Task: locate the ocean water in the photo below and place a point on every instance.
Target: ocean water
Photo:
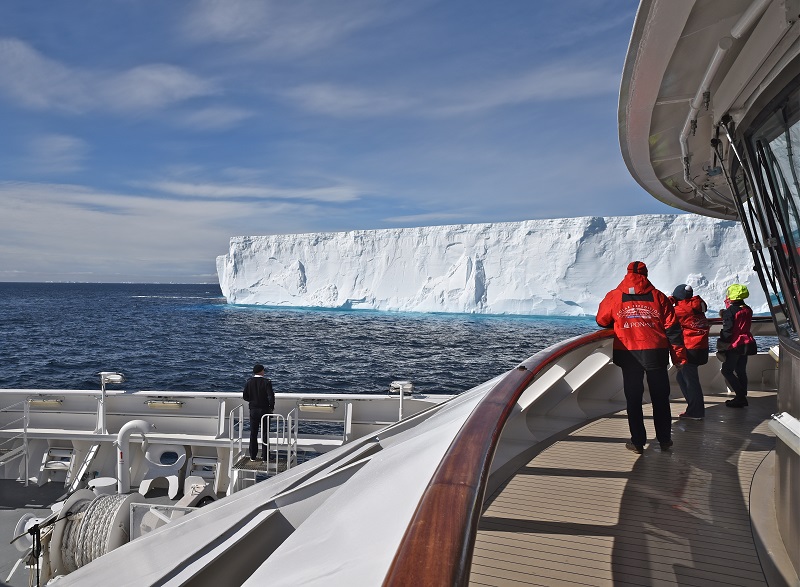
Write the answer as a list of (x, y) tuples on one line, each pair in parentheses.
[(186, 337)]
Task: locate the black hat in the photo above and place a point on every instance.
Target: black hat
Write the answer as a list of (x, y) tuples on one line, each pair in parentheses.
[(259, 368), (683, 292)]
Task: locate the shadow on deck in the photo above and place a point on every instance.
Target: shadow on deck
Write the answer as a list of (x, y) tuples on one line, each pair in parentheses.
[(585, 511)]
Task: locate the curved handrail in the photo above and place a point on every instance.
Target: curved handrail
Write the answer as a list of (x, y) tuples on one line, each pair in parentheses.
[(438, 543), (437, 546)]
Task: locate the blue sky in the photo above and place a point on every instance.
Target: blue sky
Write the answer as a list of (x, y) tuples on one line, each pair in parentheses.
[(138, 136)]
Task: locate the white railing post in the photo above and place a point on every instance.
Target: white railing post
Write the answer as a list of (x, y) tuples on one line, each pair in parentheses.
[(25, 421), (291, 453), (100, 427), (233, 443), (105, 377), (401, 386), (221, 418)]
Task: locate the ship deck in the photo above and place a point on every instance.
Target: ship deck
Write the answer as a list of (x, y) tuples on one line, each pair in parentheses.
[(586, 511)]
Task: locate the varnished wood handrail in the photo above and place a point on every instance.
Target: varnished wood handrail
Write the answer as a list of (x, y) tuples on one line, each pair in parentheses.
[(436, 549)]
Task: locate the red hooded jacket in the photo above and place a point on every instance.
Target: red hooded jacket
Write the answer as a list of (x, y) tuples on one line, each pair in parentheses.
[(736, 322), (644, 322), (691, 313)]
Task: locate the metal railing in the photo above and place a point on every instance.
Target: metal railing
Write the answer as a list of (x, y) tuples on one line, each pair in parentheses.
[(438, 543), (8, 452), (236, 441), (279, 434), (437, 546)]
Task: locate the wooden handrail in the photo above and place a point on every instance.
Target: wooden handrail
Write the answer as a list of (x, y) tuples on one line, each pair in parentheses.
[(437, 547)]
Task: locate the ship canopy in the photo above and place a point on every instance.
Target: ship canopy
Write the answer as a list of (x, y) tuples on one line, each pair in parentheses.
[(692, 65)]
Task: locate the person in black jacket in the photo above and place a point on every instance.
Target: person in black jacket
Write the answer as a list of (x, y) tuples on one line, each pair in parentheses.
[(258, 392)]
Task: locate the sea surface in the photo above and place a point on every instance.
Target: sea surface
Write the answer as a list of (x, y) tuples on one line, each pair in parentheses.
[(187, 338)]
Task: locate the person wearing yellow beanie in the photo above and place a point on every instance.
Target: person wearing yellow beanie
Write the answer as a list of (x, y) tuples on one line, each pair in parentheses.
[(736, 342)]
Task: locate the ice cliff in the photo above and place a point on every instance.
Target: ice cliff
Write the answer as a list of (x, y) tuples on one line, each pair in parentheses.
[(562, 266)]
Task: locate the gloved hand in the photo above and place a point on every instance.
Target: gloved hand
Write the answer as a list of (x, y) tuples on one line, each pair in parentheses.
[(723, 346)]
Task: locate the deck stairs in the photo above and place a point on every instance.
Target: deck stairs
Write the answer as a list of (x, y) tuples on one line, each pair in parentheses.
[(54, 461), (205, 467), (15, 446), (81, 476), (279, 443), (9, 454)]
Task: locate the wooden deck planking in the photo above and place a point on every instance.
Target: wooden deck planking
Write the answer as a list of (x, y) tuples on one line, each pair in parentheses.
[(585, 511)]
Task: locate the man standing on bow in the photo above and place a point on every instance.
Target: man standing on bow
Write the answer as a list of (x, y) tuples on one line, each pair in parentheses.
[(646, 331), (258, 392)]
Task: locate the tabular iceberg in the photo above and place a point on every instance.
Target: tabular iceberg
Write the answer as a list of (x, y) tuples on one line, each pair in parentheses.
[(561, 266)]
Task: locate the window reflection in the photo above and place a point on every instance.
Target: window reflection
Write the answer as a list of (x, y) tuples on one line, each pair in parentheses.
[(775, 152)]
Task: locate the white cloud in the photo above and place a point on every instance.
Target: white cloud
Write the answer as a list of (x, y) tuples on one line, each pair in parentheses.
[(279, 29), (229, 21), (151, 87), (40, 83), (56, 153), (422, 219), (348, 102), (555, 82), (329, 194), (77, 232), (215, 118)]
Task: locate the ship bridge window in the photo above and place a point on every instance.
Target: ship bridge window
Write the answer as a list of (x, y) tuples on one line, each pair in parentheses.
[(773, 146)]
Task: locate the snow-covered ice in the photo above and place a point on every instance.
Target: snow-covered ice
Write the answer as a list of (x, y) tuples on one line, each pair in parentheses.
[(561, 266)]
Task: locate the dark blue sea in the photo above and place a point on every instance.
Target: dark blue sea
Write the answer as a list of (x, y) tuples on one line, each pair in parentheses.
[(186, 337)]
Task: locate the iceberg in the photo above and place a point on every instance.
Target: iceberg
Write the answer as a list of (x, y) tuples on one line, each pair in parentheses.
[(554, 267)]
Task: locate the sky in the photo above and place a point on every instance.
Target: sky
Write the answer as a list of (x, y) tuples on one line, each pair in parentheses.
[(139, 136)]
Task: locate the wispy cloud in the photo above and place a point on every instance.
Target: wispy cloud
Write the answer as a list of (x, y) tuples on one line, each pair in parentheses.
[(422, 219), (555, 82), (64, 229), (41, 83), (55, 154), (560, 82), (215, 118), (229, 22), (151, 87), (276, 29), (328, 194), (337, 100)]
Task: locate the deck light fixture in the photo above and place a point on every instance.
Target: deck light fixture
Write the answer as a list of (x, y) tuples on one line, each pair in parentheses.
[(105, 377), (45, 402), (164, 404), (315, 407)]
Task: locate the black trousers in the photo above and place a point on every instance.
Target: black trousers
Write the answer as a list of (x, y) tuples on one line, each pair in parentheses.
[(633, 375), (734, 370), (255, 427)]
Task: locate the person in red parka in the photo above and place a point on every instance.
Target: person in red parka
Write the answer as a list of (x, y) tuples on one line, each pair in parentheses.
[(646, 331), (691, 312)]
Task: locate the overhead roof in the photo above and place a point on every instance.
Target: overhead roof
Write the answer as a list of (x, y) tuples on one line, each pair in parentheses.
[(689, 63)]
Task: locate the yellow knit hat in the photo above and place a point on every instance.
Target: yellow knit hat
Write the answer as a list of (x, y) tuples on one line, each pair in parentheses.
[(737, 291)]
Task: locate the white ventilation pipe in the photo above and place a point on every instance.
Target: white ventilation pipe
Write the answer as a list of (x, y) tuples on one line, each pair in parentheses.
[(123, 449), (747, 21)]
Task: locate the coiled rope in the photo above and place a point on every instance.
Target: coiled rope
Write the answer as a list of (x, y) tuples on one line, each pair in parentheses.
[(87, 531)]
